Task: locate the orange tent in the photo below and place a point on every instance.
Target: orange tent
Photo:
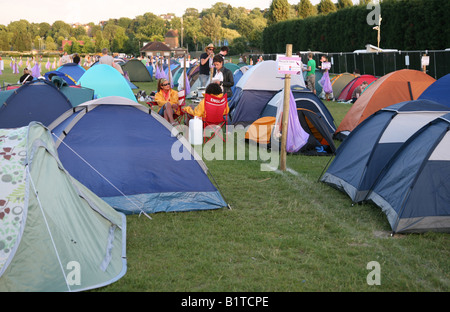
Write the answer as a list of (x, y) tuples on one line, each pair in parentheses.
[(261, 130), (399, 86)]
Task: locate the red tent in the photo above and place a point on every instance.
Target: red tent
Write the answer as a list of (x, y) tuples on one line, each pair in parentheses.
[(346, 94)]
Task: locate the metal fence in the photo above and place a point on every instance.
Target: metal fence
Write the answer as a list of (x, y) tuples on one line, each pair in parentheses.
[(379, 63)]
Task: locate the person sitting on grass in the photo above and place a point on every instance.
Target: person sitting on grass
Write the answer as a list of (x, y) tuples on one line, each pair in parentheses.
[(199, 111), (167, 100)]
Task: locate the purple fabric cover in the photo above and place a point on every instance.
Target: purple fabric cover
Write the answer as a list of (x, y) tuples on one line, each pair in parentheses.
[(326, 83), (296, 136)]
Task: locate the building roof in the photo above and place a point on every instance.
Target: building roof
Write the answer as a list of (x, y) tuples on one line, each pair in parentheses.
[(155, 46)]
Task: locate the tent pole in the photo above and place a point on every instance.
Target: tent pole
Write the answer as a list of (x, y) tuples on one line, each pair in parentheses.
[(284, 122)]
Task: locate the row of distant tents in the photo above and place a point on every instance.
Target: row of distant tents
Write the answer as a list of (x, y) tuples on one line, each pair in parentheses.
[(74, 161)]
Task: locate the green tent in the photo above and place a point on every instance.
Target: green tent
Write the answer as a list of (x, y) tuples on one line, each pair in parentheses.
[(339, 82), (137, 71), (55, 234), (231, 66)]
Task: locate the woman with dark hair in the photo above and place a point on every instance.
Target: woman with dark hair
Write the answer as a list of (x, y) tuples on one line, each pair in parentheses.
[(222, 76), (167, 100)]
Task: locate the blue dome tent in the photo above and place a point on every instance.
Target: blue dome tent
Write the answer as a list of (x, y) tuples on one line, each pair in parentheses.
[(38, 100), (73, 70), (371, 145), (413, 189), (68, 79), (141, 163), (438, 91)]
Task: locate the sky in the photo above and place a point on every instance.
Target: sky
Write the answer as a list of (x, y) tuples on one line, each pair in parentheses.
[(85, 11)]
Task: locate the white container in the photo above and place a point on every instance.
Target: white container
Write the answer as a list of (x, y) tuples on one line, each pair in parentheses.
[(196, 131)]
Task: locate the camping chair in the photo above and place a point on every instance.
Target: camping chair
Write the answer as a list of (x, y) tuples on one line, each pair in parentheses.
[(214, 118), (181, 104)]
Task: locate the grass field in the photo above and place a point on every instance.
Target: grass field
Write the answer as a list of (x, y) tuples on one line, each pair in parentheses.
[(286, 232)]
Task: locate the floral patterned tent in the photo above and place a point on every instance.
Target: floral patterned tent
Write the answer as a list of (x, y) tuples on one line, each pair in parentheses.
[(55, 234)]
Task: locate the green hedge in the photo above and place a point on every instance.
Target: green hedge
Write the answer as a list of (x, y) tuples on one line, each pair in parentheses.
[(406, 25)]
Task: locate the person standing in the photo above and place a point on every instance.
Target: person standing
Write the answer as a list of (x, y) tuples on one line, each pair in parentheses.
[(76, 58), (325, 80), (206, 64), (311, 73), (65, 59), (224, 51), (109, 60), (223, 76), (105, 58)]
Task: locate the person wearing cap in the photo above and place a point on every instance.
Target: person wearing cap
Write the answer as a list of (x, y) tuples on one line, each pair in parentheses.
[(206, 64)]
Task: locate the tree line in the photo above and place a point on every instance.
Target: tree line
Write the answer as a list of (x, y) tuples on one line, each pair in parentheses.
[(405, 25), (241, 28)]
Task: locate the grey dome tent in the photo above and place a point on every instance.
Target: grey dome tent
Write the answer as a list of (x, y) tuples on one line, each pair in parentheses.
[(55, 234)]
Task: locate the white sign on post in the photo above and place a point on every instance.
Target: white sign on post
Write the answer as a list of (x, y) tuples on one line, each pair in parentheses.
[(425, 60), (289, 65)]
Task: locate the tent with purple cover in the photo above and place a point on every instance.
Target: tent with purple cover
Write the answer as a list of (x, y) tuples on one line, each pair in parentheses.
[(307, 134)]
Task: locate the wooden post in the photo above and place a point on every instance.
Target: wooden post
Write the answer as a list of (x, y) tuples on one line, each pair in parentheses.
[(284, 122)]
